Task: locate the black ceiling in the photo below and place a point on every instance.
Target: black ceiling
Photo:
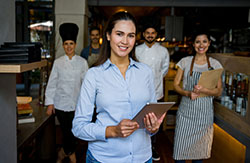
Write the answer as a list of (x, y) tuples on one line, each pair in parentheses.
[(172, 3)]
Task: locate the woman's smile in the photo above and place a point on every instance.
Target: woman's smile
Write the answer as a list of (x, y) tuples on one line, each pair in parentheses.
[(122, 38)]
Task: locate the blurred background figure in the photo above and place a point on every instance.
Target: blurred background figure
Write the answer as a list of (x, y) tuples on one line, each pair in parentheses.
[(63, 89), (194, 123), (91, 52)]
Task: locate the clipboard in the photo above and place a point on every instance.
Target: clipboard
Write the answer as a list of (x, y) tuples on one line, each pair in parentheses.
[(209, 79), (158, 108)]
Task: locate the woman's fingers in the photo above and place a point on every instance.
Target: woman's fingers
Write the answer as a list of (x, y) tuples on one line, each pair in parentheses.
[(194, 95), (152, 123), (161, 118), (126, 127)]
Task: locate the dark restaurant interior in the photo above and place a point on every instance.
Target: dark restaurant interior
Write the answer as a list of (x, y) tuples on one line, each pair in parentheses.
[(35, 24)]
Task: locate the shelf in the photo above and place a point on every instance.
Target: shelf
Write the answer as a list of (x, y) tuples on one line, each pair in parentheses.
[(233, 63), (169, 127), (27, 131), (15, 136), (19, 68), (237, 121), (175, 108)]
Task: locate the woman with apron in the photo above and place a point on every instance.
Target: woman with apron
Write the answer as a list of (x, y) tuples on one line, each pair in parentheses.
[(194, 122)]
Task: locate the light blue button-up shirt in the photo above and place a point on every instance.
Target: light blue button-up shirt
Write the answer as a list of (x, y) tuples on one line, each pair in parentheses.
[(116, 99)]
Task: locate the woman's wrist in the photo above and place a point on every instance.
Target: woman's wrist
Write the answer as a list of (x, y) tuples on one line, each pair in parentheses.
[(188, 93), (110, 132), (154, 132)]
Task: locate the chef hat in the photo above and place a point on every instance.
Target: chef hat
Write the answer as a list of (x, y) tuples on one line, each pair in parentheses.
[(68, 31)]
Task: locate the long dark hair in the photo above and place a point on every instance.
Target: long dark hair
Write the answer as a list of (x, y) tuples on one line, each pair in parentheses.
[(105, 50)]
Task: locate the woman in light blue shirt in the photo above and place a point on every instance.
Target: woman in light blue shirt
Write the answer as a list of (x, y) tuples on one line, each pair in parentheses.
[(118, 86)]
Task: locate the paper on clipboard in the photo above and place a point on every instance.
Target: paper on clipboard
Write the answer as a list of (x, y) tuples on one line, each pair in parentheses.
[(158, 108), (209, 79)]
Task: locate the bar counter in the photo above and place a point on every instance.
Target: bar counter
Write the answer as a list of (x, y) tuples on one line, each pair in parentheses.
[(234, 124)]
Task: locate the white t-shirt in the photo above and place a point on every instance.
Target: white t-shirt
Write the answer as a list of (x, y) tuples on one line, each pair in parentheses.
[(185, 64)]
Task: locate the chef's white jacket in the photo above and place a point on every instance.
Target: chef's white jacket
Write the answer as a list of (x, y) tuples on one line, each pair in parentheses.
[(65, 82), (157, 57)]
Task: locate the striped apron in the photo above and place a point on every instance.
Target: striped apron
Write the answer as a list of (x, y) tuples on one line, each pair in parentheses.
[(194, 125)]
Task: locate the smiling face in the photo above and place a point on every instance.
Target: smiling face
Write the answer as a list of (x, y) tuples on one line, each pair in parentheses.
[(122, 38), (201, 44), (69, 47), (150, 35), (95, 36)]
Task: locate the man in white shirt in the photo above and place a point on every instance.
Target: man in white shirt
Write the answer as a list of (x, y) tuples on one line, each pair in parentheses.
[(157, 57)]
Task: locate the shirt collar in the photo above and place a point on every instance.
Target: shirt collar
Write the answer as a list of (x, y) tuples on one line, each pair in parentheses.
[(67, 58), (108, 64), (133, 63), (155, 44)]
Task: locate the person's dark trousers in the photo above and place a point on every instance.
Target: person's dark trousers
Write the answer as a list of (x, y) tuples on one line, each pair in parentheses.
[(69, 141), (183, 161), (155, 154)]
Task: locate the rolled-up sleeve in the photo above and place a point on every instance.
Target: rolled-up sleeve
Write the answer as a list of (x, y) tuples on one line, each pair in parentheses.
[(82, 127)]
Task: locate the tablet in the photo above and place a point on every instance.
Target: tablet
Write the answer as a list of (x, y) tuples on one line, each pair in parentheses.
[(158, 108)]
